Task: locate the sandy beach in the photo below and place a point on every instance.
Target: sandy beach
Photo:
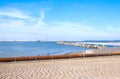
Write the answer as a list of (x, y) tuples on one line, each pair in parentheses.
[(107, 67)]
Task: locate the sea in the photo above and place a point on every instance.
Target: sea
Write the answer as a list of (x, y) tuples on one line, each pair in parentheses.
[(34, 48)]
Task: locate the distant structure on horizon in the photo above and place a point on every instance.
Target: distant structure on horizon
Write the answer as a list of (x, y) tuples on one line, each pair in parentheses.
[(38, 40), (101, 41)]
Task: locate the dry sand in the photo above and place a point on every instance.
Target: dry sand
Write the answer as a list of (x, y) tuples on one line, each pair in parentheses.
[(107, 67)]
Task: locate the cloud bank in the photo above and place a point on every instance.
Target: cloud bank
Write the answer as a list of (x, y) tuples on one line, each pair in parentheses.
[(18, 25)]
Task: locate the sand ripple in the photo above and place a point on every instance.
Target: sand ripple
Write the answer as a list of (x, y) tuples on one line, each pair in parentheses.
[(79, 68)]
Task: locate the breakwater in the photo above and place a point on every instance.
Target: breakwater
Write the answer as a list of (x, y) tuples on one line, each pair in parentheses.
[(95, 46)]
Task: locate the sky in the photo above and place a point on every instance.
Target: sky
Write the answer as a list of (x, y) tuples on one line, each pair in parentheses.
[(58, 20)]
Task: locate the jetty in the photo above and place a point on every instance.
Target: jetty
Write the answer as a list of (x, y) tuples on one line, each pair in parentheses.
[(82, 44)]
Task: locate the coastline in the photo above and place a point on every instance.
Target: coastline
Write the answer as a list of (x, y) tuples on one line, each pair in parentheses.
[(87, 53)]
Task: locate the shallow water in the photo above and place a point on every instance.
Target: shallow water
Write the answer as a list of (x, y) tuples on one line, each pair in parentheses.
[(13, 49)]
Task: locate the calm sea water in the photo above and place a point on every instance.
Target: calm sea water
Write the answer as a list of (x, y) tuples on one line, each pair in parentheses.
[(12, 49)]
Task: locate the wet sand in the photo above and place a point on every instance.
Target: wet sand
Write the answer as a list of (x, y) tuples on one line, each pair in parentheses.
[(107, 67)]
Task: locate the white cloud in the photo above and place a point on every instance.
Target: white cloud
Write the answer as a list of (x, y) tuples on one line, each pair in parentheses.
[(14, 13), (40, 21), (42, 16), (77, 31), (25, 28), (112, 28)]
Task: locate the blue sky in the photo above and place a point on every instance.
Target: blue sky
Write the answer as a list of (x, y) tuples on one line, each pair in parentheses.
[(59, 19)]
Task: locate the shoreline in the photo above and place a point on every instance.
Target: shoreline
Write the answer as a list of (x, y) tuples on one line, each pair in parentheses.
[(87, 53), (73, 55)]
